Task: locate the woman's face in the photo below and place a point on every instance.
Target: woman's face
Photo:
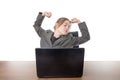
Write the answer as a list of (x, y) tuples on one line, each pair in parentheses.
[(64, 28)]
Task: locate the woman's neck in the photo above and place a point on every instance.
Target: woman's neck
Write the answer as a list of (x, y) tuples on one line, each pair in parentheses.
[(56, 34)]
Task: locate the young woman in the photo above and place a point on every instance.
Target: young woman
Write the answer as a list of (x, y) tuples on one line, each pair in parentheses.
[(60, 38)]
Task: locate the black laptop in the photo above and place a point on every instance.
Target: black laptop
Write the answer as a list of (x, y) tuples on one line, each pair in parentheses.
[(59, 62)]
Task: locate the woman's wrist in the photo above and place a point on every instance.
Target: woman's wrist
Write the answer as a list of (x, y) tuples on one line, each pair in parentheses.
[(43, 14), (78, 22)]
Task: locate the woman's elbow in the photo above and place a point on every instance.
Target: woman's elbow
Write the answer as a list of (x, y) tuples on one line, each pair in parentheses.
[(88, 38)]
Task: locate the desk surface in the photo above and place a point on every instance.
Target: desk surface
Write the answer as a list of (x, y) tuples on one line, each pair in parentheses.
[(93, 70)]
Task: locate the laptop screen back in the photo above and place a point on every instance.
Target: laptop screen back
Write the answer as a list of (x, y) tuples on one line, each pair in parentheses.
[(67, 62)]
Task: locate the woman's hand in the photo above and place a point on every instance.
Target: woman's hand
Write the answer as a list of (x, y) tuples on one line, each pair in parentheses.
[(75, 20), (47, 14)]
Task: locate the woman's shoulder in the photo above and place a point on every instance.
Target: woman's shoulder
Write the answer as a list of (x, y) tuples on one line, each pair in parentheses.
[(69, 35), (49, 31), (75, 34)]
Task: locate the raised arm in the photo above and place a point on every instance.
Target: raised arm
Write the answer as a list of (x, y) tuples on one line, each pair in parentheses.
[(38, 22), (84, 31)]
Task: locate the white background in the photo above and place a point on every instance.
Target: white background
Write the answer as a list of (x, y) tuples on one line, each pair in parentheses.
[(18, 38)]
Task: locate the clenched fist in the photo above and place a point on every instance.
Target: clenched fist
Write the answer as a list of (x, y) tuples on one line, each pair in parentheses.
[(75, 20), (47, 14)]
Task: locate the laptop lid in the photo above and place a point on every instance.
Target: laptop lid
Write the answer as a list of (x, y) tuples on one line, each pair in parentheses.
[(67, 62)]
